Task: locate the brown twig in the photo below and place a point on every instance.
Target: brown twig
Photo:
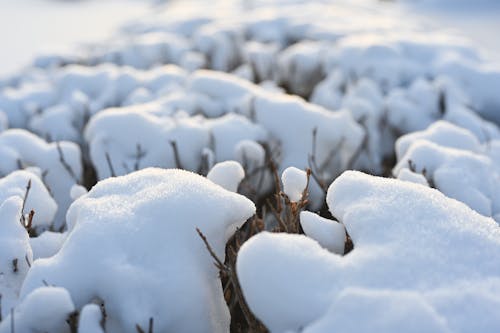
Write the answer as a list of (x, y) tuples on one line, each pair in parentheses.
[(65, 164), (25, 198)]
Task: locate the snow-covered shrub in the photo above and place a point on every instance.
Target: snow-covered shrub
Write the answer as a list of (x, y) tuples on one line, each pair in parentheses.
[(37, 196), (300, 67), (133, 244), (15, 252), (405, 262), (453, 161), (59, 163), (90, 319)]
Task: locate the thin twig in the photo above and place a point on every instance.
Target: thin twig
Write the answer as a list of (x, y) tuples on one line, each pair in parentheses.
[(151, 321), (138, 157), (218, 263), (25, 198), (65, 164), (110, 165), (27, 261), (15, 267), (177, 158)]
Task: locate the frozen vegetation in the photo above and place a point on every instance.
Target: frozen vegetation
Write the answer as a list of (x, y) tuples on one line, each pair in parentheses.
[(253, 166)]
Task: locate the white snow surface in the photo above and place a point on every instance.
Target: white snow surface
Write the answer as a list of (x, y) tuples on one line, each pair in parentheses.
[(227, 174), (135, 235), (294, 183), (329, 234), (90, 319), (405, 261)]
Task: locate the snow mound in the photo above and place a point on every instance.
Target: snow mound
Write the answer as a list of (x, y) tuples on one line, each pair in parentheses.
[(133, 244), (405, 260), (329, 234), (39, 199), (90, 319), (34, 314), (294, 183), (20, 149), (15, 252), (227, 174), (453, 161)]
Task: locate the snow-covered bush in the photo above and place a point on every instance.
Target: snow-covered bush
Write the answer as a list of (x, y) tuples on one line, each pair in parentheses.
[(453, 161), (133, 245), (242, 92), (405, 262), (15, 252), (59, 164)]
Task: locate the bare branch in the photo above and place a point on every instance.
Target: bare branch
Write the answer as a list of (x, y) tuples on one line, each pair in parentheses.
[(218, 263), (65, 164), (25, 198)]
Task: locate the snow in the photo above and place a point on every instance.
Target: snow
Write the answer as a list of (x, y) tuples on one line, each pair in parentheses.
[(294, 183), (250, 154), (20, 149), (47, 244), (410, 176), (236, 91), (329, 234), (90, 319), (227, 174), (405, 261), (442, 133), (142, 230), (77, 191), (15, 252), (33, 314), (38, 199), (452, 160)]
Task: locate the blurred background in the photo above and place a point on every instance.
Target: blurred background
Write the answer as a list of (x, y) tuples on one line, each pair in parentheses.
[(31, 27)]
